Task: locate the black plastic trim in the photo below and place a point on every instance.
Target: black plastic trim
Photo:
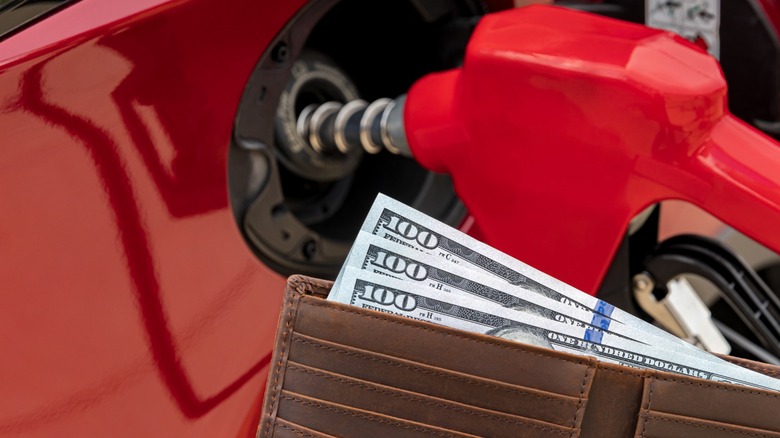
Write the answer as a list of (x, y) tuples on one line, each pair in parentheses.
[(16, 15)]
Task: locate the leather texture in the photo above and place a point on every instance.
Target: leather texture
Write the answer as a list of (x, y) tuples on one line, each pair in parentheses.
[(342, 371)]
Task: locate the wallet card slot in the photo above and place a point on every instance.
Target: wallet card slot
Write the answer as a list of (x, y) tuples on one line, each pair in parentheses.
[(412, 406), (662, 425), (346, 422), (436, 382), (286, 429), (713, 401), (471, 353), (614, 400)]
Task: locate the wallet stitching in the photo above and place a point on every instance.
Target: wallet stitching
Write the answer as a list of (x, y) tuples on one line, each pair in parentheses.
[(630, 372), (582, 398), (721, 388), (364, 416), (702, 384), (296, 431), (426, 371), (307, 285), (453, 335), (647, 408), (279, 364), (700, 425), (422, 400)]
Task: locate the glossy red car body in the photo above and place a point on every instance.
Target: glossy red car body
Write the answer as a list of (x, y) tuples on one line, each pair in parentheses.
[(131, 305)]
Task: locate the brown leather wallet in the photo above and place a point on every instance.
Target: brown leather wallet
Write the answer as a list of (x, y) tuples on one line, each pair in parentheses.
[(343, 371)]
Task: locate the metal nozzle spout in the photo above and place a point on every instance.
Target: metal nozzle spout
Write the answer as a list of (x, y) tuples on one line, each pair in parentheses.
[(335, 128)]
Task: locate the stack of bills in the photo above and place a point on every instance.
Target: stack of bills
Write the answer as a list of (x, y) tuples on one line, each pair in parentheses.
[(409, 264)]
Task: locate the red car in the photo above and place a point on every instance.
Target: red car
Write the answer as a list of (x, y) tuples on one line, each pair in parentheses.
[(154, 197)]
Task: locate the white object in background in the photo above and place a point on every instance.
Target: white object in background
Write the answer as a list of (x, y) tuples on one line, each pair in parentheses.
[(696, 20), (694, 317)]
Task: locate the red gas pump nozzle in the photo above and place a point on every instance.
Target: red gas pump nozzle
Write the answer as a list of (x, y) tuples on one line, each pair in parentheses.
[(562, 126)]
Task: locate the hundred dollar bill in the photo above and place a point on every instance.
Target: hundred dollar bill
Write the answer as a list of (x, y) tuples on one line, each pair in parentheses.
[(397, 222), (381, 256), (385, 257), (389, 295)]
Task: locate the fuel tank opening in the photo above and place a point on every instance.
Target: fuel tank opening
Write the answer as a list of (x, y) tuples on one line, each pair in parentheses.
[(315, 138)]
